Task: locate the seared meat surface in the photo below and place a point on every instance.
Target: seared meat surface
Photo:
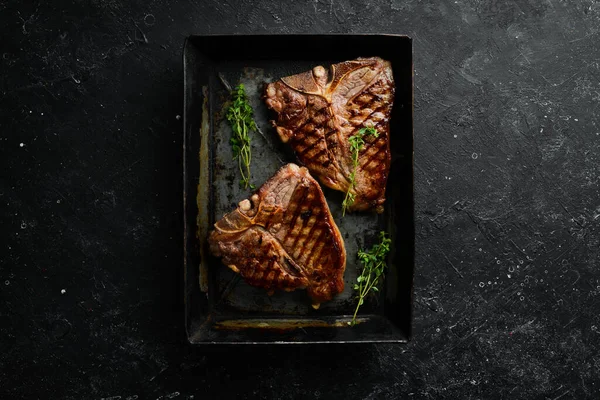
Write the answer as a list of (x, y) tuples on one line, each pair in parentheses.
[(284, 238), (318, 111)]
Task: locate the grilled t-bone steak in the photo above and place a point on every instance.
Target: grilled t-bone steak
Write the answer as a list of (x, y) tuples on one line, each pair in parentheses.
[(284, 237), (317, 114)]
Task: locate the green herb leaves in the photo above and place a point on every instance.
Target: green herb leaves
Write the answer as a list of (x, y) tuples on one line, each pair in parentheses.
[(373, 262), (357, 142), (240, 117)]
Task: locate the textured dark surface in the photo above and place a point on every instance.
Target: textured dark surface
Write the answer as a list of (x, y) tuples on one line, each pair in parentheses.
[(507, 133)]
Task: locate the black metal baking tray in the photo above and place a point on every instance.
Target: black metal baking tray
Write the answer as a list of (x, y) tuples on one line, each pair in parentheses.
[(220, 306)]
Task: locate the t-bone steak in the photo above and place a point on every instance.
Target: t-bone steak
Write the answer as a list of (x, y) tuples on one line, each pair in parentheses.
[(284, 237), (319, 110)]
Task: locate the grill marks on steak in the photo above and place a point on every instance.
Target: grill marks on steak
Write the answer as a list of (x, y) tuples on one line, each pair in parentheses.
[(317, 116), (284, 238)]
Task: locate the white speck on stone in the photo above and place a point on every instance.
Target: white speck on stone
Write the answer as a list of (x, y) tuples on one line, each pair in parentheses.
[(455, 136), (178, 117), (41, 113), (481, 284), (63, 291), (508, 276), (21, 144), (576, 120), (58, 201)]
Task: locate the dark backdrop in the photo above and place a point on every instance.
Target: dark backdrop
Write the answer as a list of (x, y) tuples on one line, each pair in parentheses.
[(507, 134)]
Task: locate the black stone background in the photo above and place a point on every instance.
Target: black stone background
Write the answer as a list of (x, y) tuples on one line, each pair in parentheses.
[(507, 133)]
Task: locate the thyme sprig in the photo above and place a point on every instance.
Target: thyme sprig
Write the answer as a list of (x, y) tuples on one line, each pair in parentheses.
[(357, 143), (374, 264), (241, 118)]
